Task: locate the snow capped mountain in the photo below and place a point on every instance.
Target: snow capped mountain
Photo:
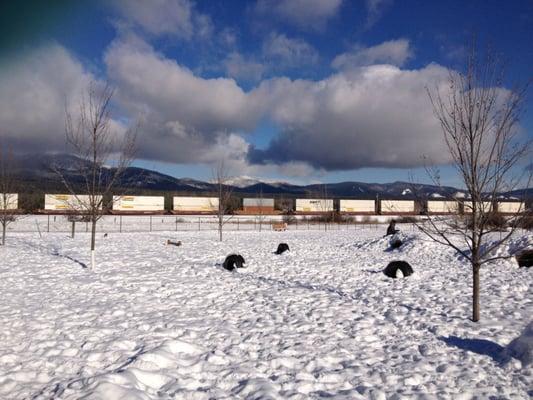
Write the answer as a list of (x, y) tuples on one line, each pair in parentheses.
[(246, 181), (37, 171)]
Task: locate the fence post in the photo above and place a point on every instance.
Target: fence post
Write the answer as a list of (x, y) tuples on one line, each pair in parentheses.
[(48, 227), (120, 223), (238, 228), (199, 224), (176, 222), (150, 223)]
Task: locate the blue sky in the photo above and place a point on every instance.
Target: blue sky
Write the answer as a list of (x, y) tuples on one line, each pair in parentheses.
[(294, 90)]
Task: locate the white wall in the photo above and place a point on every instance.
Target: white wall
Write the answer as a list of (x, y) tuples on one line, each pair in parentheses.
[(510, 207), (357, 206), (314, 205), (62, 202), (139, 203), (199, 204), (12, 200), (435, 206), (397, 206), (486, 206)]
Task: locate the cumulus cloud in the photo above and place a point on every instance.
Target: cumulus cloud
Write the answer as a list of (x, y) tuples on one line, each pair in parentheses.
[(305, 14), (34, 89), (165, 17), (183, 113), (376, 116), (394, 52), (239, 67), (287, 52)]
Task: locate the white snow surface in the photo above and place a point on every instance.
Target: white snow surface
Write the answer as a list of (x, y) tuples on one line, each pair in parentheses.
[(320, 321)]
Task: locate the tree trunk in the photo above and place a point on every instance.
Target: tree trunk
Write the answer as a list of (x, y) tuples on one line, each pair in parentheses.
[(73, 229), (220, 230), (3, 234), (475, 293), (93, 242)]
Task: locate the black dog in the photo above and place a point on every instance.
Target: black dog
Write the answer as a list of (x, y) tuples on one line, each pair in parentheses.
[(233, 261), (394, 266), (391, 230), (282, 247)]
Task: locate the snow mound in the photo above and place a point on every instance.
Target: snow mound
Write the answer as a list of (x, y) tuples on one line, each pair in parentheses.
[(521, 348)]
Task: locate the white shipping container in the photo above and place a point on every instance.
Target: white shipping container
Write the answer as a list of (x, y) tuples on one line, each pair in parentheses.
[(358, 206), (314, 205), (485, 205), (192, 204), (437, 207), (510, 207), (67, 202), (397, 206), (257, 202), (138, 203), (11, 201)]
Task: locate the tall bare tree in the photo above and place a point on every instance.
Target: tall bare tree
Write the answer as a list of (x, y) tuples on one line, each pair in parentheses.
[(479, 120), (221, 177), (101, 155), (8, 197)]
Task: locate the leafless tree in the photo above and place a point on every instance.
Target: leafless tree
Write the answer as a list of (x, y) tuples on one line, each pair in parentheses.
[(101, 155), (479, 120), (8, 197), (221, 176)]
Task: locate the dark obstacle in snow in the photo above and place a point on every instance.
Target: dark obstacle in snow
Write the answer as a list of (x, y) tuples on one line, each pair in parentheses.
[(395, 243), (397, 269), (282, 247), (525, 259), (233, 261)]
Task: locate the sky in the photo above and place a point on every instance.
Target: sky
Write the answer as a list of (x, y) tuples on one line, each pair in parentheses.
[(301, 91)]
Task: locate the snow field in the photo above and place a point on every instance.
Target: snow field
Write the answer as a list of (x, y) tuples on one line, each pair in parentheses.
[(161, 322)]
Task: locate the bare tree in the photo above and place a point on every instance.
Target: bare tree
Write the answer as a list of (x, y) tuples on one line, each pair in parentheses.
[(101, 156), (479, 121), (221, 176), (8, 199)]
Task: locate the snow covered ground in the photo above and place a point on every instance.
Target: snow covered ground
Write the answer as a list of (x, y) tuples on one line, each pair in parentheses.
[(321, 321)]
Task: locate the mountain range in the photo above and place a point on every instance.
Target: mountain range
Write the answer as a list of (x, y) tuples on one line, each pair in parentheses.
[(36, 174)]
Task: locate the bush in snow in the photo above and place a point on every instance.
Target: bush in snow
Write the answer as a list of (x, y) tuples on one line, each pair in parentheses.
[(398, 269)]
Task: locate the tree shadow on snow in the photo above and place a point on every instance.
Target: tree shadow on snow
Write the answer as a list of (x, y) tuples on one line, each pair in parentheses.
[(479, 346), (57, 254)]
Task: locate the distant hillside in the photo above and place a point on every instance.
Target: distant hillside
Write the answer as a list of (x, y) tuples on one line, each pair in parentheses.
[(35, 173)]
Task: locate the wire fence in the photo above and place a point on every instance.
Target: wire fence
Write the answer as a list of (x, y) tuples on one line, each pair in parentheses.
[(159, 223)]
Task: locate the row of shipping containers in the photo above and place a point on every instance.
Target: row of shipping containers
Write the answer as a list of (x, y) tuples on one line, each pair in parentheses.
[(208, 205)]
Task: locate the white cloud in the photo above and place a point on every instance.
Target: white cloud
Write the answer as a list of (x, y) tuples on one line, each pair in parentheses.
[(185, 115), (165, 17), (394, 52), (238, 67), (34, 89), (376, 116), (305, 14), (282, 51)]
